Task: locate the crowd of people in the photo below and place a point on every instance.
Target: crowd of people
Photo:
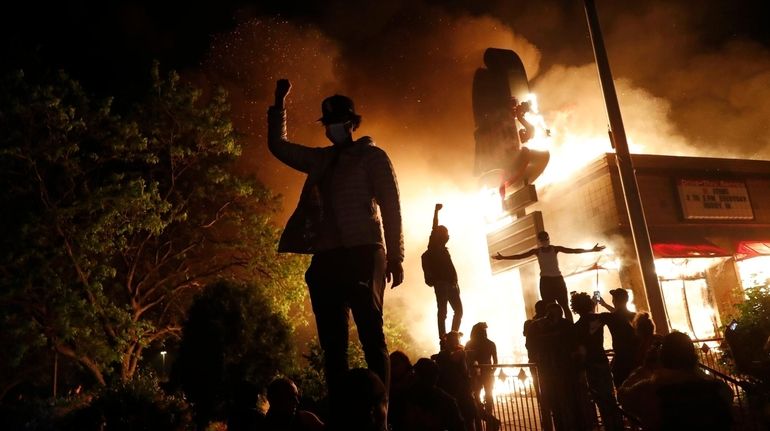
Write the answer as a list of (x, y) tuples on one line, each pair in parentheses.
[(349, 219)]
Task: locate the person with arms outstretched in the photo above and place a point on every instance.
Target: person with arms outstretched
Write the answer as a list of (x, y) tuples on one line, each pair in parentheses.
[(552, 286), (336, 220), (440, 273)]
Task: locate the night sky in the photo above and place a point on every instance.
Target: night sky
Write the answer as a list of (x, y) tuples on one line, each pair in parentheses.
[(108, 43)]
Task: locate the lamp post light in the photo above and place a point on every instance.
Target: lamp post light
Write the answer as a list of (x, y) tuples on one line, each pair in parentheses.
[(163, 363)]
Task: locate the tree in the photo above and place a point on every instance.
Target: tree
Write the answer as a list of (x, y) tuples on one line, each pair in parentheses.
[(112, 222), (232, 335)]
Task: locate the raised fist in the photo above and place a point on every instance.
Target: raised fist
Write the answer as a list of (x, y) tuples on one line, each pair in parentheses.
[(439, 206), (282, 88)]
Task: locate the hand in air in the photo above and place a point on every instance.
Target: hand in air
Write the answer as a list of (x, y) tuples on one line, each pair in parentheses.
[(282, 89), (497, 256), (598, 247)]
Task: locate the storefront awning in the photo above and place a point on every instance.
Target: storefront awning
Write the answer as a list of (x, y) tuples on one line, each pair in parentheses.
[(747, 249), (697, 249)]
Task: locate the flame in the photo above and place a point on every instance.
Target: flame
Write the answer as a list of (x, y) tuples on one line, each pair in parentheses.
[(677, 269), (755, 272)]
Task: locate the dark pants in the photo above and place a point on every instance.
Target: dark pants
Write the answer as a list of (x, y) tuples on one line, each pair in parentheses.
[(553, 289), (448, 293), (600, 382), (343, 281)]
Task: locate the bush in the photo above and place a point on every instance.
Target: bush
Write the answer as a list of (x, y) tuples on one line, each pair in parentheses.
[(137, 404)]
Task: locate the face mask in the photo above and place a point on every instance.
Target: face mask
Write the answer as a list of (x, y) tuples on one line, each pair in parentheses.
[(338, 133)]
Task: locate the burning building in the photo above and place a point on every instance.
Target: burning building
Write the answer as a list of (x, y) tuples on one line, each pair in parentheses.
[(709, 224)]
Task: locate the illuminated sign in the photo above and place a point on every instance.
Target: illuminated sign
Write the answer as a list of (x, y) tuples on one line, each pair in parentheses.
[(714, 200)]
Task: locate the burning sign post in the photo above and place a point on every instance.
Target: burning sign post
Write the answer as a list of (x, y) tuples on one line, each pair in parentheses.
[(501, 99)]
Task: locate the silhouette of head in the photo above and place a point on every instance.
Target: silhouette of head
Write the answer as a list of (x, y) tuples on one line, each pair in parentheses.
[(283, 396), (400, 365), (644, 326), (366, 400), (452, 340), (426, 372), (540, 308), (553, 311), (581, 303), (339, 109), (543, 239), (677, 352), (619, 297), (479, 331), (439, 236)]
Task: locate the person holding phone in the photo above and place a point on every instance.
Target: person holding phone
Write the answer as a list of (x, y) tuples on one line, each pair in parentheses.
[(552, 285)]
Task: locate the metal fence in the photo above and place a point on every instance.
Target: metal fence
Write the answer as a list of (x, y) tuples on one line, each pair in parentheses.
[(747, 399), (518, 402)]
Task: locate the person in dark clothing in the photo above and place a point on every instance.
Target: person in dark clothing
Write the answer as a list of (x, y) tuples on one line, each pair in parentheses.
[(284, 413), (533, 343), (678, 395), (647, 340), (440, 273), (625, 344), (552, 286), (530, 330), (589, 333), (482, 354), (428, 407), (243, 413), (349, 185), (561, 384), (454, 377), (366, 402), (401, 383)]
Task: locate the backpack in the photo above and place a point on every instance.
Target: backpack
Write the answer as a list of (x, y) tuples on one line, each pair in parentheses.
[(427, 269)]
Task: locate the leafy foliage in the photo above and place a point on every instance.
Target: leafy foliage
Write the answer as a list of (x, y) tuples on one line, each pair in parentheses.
[(232, 335), (138, 403), (113, 221)]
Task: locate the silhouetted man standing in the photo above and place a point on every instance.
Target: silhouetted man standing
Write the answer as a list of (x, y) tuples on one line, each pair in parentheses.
[(337, 221), (624, 340), (440, 273)]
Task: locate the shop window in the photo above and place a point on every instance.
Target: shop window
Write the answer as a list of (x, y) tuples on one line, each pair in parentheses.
[(755, 272)]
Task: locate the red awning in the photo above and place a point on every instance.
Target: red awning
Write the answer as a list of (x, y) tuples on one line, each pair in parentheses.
[(672, 250), (747, 249)]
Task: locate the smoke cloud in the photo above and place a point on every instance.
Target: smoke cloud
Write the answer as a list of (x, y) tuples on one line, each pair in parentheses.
[(409, 68)]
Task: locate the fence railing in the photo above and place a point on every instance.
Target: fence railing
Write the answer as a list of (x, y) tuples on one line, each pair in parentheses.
[(519, 403), (746, 415)]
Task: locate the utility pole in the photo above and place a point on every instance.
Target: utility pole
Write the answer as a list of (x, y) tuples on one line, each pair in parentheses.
[(640, 234)]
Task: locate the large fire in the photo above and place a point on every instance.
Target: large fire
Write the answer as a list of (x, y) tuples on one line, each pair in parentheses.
[(470, 212)]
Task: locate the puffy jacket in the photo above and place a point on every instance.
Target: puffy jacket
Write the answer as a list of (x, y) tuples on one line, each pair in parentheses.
[(363, 180)]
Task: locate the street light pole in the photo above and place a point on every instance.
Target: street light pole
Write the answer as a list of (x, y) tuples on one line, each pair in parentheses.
[(639, 232), (163, 363)]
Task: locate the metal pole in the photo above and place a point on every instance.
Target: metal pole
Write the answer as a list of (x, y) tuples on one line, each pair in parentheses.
[(55, 372), (640, 234)]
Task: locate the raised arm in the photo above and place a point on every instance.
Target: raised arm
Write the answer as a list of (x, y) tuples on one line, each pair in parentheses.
[(435, 215), (607, 306), (524, 255), (595, 248), (296, 156)]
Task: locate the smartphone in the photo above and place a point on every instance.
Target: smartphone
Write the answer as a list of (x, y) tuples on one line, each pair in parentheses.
[(597, 295), (733, 325)]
